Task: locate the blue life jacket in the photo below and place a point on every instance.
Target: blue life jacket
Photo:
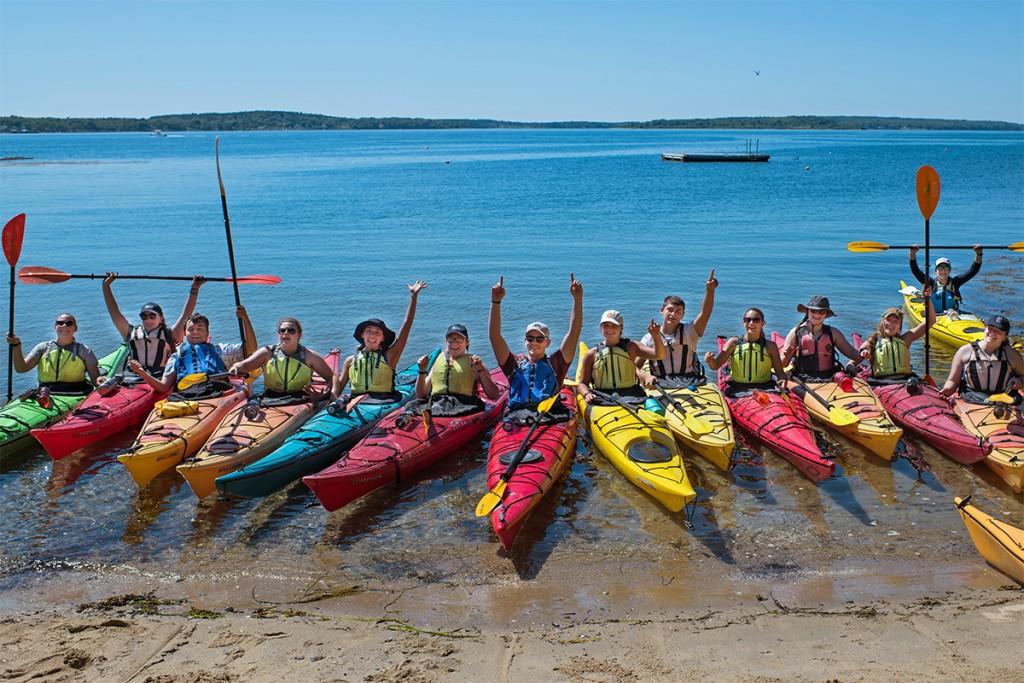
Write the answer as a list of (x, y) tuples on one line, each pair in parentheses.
[(193, 358), (946, 298), (532, 383)]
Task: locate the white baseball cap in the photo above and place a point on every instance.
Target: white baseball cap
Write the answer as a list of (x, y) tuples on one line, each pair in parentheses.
[(612, 316)]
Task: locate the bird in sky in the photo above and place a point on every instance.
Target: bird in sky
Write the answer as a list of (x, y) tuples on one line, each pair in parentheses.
[(756, 72)]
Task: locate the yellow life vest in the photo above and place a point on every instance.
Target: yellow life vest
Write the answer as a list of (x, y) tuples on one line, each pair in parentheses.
[(61, 365), (285, 374), (370, 373), (452, 376), (613, 368), (891, 357), (750, 363)]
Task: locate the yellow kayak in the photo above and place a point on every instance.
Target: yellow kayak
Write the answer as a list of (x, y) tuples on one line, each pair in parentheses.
[(955, 331), (1007, 439), (874, 431), (1000, 544), (640, 446), (707, 403)]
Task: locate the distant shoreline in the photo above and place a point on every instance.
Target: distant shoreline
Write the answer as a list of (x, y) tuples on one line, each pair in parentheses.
[(294, 121)]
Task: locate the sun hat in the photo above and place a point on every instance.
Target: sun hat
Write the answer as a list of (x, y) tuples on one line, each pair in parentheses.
[(816, 303), (389, 335)]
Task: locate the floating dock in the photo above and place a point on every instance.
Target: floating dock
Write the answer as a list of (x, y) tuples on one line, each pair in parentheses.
[(714, 157)]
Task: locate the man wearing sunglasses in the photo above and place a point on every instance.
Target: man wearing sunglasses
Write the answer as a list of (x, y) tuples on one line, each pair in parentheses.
[(946, 290), (150, 343), (63, 363), (535, 376)]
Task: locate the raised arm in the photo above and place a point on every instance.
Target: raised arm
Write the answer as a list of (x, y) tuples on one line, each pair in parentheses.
[(498, 343), (700, 323), (914, 269), (973, 270), (395, 352), (913, 335), (572, 337), (178, 331), (120, 322)]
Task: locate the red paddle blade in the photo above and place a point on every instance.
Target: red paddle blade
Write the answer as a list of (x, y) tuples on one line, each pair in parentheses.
[(927, 190), (14, 233), (41, 275), (258, 280)]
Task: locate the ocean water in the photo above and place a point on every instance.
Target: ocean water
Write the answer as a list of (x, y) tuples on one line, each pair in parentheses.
[(347, 219)]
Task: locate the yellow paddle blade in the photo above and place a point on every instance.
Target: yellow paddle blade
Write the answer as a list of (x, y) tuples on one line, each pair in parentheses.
[(1016, 246), (579, 361), (192, 380), (1000, 398), (841, 417), (697, 425), (866, 247), (546, 404), (491, 499)]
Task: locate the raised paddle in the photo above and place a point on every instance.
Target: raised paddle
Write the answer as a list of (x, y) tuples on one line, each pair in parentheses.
[(869, 247), (41, 275), (928, 189), (694, 423), (13, 235), (492, 498), (227, 230), (837, 415)]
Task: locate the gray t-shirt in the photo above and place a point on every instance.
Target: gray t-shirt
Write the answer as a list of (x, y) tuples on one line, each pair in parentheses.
[(674, 361), (83, 352), (229, 353)]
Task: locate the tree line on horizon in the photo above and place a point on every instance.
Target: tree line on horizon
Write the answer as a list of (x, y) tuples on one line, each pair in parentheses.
[(283, 120)]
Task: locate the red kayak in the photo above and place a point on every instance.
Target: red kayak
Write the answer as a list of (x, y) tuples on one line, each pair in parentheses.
[(551, 449), (399, 446), (781, 423), (929, 416), (97, 418)]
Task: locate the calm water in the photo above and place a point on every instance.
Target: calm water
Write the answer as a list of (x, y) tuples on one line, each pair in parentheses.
[(348, 218)]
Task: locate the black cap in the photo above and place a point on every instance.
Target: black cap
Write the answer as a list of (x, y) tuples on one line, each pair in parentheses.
[(458, 329), (389, 336), (152, 308), (1000, 322)]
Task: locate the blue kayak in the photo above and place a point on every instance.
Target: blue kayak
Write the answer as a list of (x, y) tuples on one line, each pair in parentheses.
[(318, 444)]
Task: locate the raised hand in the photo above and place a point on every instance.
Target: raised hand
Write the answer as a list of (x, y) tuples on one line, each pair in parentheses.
[(977, 250), (416, 287), (197, 282), (575, 287), (109, 278), (422, 363), (478, 365), (653, 328), (914, 249), (498, 290), (712, 280)]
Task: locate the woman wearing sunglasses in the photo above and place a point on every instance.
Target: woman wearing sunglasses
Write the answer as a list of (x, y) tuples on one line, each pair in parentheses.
[(62, 364), (151, 342), (815, 345), (288, 366), (752, 359)]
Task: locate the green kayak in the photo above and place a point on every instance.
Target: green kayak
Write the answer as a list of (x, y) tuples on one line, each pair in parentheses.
[(19, 417)]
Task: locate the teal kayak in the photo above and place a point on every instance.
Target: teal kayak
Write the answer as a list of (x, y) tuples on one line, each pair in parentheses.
[(318, 444), (19, 417)]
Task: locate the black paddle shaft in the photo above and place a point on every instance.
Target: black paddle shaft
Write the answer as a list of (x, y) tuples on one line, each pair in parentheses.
[(10, 353), (927, 265), (521, 453), (227, 230)]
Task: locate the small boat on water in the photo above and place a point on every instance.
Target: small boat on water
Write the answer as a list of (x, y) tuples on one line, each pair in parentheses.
[(159, 133), (752, 154)]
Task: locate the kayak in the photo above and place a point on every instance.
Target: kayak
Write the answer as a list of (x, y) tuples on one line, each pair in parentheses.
[(549, 453), (706, 402), (250, 431), (962, 328), (400, 446), (875, 431), (23, 414), (781, 424), (1004, 435), (99, 417), (316, 445), (1001, 544), (163, 442), (639, 444), (929, 416)]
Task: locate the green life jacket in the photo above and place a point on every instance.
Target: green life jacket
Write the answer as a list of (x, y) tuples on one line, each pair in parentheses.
[(61, 365), (370, 373), (286, 374), (613, 368), (751, 363), (890, 357), (453, 376)]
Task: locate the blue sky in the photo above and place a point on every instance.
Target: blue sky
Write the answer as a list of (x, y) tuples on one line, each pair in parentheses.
[(531, 61)]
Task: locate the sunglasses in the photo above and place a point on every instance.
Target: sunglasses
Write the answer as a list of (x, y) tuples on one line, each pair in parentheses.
[(149, 316), (753, 320), (64, 323), (535, 338), (287, 330)]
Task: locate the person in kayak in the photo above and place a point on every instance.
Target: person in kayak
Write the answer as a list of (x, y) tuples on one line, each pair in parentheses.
[(946, 289), (535, 376), (752, 359), (448, 386), (195, 355), (990, 366), (371, 369), (680, 367), (151, 342), (815, 345), (288, 366), (888, 347), (62, 364), (611, 367)]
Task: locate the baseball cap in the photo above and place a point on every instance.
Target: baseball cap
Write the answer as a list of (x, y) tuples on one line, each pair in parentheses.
[(457, 329), (539, 327), (612, 316), (943, 262), (152, 308), (1000, 322)]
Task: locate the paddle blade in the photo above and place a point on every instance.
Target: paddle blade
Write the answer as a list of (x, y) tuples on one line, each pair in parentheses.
[(192, 380), (546, 404), (866, 247), (258, 280), (41, 275), (491, 499), (697, 425), (14, 233), (841, 417), (1016, 246), (927, 190), (1000, 398)]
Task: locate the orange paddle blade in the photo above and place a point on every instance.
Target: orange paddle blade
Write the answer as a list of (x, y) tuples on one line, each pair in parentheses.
[(258, 280), (927, 190), (41, 275), (14, 233)]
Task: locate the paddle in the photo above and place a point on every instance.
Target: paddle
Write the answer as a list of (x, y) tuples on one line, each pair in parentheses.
[(869, 247), (227, 230), (837, 415), (928, 189), (200, 377), (41, 275), (492, 498), (694, 423), (13, 235)]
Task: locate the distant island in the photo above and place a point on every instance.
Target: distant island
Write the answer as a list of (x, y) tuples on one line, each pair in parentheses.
[(286, 120)]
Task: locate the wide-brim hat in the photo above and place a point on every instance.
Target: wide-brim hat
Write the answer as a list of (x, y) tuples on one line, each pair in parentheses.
[(817, 303), (389, 335)]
